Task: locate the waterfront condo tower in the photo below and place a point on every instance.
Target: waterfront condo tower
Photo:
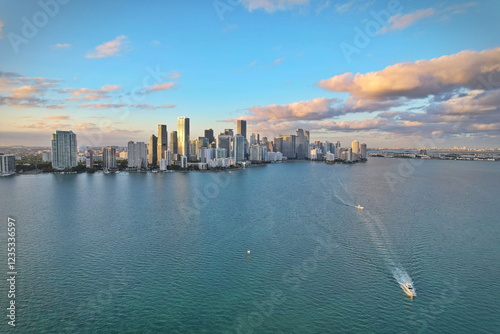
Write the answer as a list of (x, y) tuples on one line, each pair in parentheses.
[(64, 149), (162, 142), (183, 136), (152, 157)]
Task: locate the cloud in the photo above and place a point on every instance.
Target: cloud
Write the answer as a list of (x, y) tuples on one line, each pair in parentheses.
[(79, 94), (44, 125), (56, 106), (174, 75), (342, 8), (25, 96), (419, 79), (167, 106), (278, 61), (271, 6), (57, 117), (353, 5), (109, 49), (318, 108), (62, 46), (400, 21), (157, 87), (1, 28), (110, 88), (101, 106)]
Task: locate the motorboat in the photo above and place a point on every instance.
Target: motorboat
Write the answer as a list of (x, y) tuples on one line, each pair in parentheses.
[(360, 207), (408, 289)]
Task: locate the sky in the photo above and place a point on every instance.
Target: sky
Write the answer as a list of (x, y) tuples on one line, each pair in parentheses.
[(396, 73)]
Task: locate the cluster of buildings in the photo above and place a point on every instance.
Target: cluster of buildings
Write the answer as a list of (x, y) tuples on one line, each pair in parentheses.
[(178, 150)]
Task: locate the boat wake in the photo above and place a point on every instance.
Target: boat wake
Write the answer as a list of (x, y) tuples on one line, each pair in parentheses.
[(381, 240)]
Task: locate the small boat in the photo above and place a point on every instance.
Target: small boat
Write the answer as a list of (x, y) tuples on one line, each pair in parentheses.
[(408, 289), (360, 207)]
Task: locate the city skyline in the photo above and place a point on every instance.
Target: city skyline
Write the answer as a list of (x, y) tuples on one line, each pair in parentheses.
[(382, 72)]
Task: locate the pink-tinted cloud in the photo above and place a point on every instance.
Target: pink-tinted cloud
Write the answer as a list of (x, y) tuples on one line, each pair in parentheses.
[(56, 117), (79, 94), (419, 79), (158, 87), (109, 49), (318, 108)]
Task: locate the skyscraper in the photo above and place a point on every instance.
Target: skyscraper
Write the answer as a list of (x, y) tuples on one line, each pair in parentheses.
[(183, 136), (241, 128), (362, 152), (288, 146), (224, 142), (63, 149), (108, 157), (162, 144), (152, 152), (173, 143), (239, 148), (300, 143), (209, 134), (355, 149), (137, 155), (278, 144)]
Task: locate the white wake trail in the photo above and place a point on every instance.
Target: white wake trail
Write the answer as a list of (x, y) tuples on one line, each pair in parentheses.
[(380, 238)]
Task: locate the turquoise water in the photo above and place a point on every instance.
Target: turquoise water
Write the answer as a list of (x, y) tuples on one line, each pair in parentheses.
[(167, 253)]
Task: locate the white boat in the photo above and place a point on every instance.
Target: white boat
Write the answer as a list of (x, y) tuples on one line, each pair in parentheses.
[(360, 207), (408, 289)]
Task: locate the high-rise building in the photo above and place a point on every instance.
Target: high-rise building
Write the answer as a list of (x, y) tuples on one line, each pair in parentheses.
[(89, 159), (7, 164), (209, 134), (137, 155), (183, 136), (239, 148), (355, 146), (241, 128), (224, 141), (109, 157), (355, 149), (362, 152), (173, 143), (278, 144), (229, 132), (307, 134), (152, 152), (288, 146), (300, 145), (162, 144), (254, 139), (64, 149)]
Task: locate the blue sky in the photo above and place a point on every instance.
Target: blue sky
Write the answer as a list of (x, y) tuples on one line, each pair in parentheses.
[(111, 71)]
